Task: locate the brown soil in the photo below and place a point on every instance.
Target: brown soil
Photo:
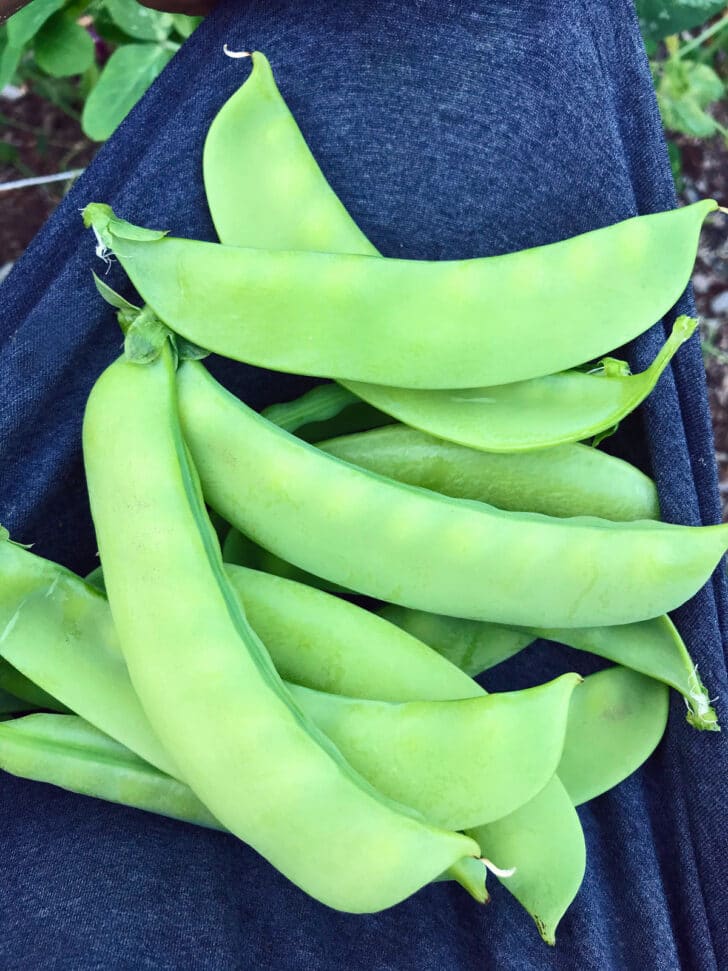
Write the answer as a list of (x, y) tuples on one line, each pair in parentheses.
[(47, 140)]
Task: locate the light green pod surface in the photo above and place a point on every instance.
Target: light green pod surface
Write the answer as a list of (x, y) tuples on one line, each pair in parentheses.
[(241, 550), (414, 323), (620, 713), (567, 480), (15, 683), (325, 411), (456, 762), (424, 753), (67, 751), (315, 639), (653, 647), (526, 415), (419, 549), (472, 645), (206, 682), (544, 841)]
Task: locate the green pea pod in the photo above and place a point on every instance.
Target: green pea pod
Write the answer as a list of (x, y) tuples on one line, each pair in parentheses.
[(210, 707), (544, 843), (243, 551), (316, 640), (566, 480), (618, 707), (66, 751), (423, 550), (472, 645), (69, 752), (12, 705), (16, 684), (652, 647), (457, 762), (410, 323), (526, 415)]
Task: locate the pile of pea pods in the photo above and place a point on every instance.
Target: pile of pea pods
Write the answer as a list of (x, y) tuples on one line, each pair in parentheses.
[(448, 472)]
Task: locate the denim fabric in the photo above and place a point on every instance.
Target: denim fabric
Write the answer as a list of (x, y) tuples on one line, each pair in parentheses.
[(448, 129)]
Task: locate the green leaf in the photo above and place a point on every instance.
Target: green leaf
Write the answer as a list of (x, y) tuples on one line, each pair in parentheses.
[(112, 297), (185, 25), (127, 75), (26, 23), (9, 60), (660, 18), (684, 89), (62, 47), (140, 22)]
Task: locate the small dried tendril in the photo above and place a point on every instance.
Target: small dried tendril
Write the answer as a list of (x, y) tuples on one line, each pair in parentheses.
[(496, 870), (229, 53)]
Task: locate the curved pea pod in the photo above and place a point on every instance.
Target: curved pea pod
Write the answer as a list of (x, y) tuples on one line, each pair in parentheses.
[(614, 726), (67, 751), (654, 648), (16, 684), (526, 415), (210, 707), (472, 645), (651, 647), (566, 480), (424, 753), (324, 407), (543, 841), (242, 551), (409, 323), (315, 639), (414, 547)]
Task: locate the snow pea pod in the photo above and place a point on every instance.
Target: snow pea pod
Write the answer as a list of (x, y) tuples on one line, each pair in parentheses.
[(210, 707), (614, 727), (457, 762), (652, 647), (566, 480), (545, 842), (526, 415), (16, 684), (242, 551), (67, 751), (420, 549), (409, 323), (322, 642)]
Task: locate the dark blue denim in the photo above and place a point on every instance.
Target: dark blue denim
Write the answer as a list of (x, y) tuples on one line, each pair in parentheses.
[(448, 129)]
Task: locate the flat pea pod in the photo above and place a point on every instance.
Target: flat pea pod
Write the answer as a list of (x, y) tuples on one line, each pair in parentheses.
[(67, 751), (323, 642), (566, 480), (552, 410), (242, 551), (12, 705), (613, 728), (423, 550), (652, 647), (545, 844), (319, 407), (185, 690), (457, 762), (16, 684), (413, 323)]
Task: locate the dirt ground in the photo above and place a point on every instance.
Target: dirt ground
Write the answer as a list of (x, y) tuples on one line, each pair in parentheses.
[(42, 139)]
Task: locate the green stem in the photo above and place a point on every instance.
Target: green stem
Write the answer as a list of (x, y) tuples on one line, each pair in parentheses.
[(702, 37)]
